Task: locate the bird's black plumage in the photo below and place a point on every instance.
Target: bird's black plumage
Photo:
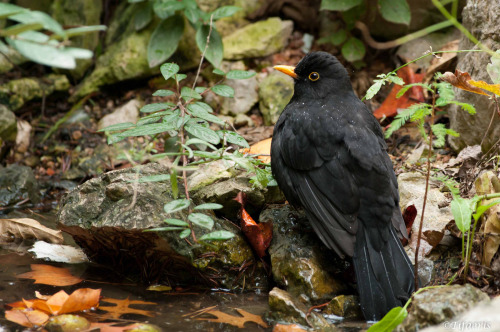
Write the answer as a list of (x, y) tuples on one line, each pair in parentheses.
[(329, 156)]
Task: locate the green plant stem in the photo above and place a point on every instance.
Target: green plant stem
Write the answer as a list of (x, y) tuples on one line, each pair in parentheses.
[(420, 33), (460, 27), (427, 177)]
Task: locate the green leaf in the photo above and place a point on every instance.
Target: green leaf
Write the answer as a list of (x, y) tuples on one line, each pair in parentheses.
[(439, 131), (409, 86), (202, 114), (201, 220), (7, 10), (169, 5), (177, 205), (340, 5), (143, 15), (203, 133), (403, 116), (176, 222), (20, 28), (493, 68), (353, 49), (78, 31), (194, 15), (150, 108), (204, 106), (208, 206), (163, 93), (223, 90), (173, 179), (217, 236), (233, 138), (465, 106), (185, 233), (180, 77), (168, 70), (462, 212), (165, 39), (374, 89), (481, 209), (215, 49), (217, 71), (164, 229), (39, 17), (188, 93), (390, 321), (199, 141), (117, 126), (224, 11), (149, 129), (338, 37), (240, 74), (397, 11)]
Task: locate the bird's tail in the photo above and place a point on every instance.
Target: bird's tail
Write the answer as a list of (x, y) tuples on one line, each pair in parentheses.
[(384, 275)]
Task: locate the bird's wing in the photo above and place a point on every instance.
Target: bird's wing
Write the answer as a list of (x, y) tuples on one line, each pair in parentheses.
[(337, 169)]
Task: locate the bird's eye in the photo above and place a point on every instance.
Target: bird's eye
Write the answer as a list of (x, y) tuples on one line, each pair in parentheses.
[(314, 76)]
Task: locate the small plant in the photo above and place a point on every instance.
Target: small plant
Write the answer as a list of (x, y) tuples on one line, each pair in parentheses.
[(47, 49), (188, 120), (165, 38)]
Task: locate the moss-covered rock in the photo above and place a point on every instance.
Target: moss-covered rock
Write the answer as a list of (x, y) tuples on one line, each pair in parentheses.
[(275, 91), (11, 58), (8, 124), (346, 306), (79, 12), (18, 183), (258, 39), (16, 93)]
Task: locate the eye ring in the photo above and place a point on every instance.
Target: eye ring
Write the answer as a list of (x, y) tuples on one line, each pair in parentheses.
[(314, 76)]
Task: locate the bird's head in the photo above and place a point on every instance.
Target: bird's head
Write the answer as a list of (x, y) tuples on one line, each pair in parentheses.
[(318, 74)]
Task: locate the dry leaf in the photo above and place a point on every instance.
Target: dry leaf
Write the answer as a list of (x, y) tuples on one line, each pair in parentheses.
[(492, 234), (26, 228), (495, 88), (433, 237), (50, 275), (26, 317), (238, 321), (288, 328), (262, 147), (110, 327), (123, 307), (461, 81), (443, 61)]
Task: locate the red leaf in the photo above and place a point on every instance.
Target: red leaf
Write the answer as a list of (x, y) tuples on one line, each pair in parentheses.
[(259, 235), (409, 216), (391, 104)]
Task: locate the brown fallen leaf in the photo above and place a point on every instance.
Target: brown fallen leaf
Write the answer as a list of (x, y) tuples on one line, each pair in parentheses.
[(27, 317), (26, 228), (443, 61), (123, 307), (110, 327), (433, 237), (461, 81), (259, 235), (50, 275), (288, 328), (238, 321), (492, 234)]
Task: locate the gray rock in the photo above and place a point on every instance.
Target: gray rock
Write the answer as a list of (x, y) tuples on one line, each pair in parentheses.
[(245, 96), (481, 19), (128, 112), (242, 120), (16, 93), (275, 91), (300, 263), (259, 39), (483, 317), (8, 124), (79, 12), (411, 192), (18, 183), (426, 268), (284, 308), (107, 217), (438, 305)]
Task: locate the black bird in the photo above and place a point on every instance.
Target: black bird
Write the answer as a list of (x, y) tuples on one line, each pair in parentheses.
[(328, 156)]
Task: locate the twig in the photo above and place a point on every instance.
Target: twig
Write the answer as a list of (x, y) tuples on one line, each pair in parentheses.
[(204, 52), (427, 177)]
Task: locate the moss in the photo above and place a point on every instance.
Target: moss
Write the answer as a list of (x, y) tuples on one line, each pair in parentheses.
[(275, 91)]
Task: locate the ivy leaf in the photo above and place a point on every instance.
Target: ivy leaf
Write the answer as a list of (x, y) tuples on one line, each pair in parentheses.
[(223, 90), (233, 138), (168, 70), (201, 220), (208, 206), (224, 11), (165, 39), (339, 5), (240, 74), (353, 49), (215, 50), (203, 133), (177, 205), (217, 236), (397, 11)]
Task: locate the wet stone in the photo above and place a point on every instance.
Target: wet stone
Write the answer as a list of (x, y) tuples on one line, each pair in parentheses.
[(17, 184), (346, 306)]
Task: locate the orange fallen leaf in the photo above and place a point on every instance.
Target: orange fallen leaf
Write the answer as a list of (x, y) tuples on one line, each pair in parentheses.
[(259, 235), (461, 80), (50, 275), (238, 321), (263, 147), (288, 328), (415, 94), (26, 317), (123, 307), (495, 88)]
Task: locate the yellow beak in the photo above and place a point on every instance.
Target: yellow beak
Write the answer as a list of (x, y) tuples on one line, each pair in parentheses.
[(289, 70)]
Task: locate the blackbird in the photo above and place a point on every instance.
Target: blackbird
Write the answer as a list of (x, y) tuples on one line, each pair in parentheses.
[(328, 156)]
